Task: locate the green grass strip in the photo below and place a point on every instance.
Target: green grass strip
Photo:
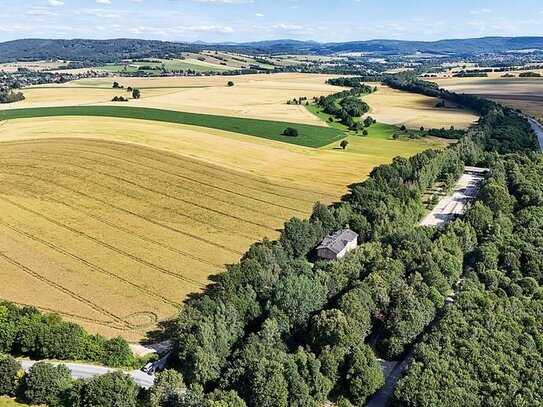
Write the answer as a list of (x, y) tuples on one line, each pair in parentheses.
[(309, 136)]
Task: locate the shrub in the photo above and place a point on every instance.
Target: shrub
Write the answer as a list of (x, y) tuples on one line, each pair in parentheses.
[(230, 83), (291, 132)]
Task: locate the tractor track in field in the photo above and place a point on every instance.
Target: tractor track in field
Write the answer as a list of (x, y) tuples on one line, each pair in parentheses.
[(89, 264), (91, 215), (124, 210), (135, 197), (183, 177), (120, 146), (62, 289), (122, 169), (106, 245)]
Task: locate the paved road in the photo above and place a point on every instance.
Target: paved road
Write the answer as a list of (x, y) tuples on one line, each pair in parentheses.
[(538, 128), (81, 371), (454, 205)]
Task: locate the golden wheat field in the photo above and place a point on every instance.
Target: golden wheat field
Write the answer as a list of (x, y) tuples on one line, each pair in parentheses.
[(114, 222), (253, 96)]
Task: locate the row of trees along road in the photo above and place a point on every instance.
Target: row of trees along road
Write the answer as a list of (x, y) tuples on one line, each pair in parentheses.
[(27, 332), (491, 339), (53, 386)]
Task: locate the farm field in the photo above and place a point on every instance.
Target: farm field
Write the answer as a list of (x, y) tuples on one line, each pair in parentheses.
[(253, 96), (519, 93), (398, 108), (123, 218), (309, 136), (121, 233)]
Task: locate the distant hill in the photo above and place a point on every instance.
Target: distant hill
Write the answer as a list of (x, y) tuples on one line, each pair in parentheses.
[(102, 51), (89, 50), (457, 47)]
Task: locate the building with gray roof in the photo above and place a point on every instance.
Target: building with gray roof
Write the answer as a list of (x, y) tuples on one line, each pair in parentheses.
[(337, 245)]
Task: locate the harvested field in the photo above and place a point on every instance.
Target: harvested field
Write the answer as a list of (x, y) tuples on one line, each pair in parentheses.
[(413, 110), (519, 93)]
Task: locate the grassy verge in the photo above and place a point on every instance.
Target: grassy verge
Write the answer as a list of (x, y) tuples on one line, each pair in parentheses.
[(309, 136), (10, 402), (379, 130)]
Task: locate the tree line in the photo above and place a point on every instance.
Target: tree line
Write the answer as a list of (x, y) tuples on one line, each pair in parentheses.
[(27, 332), (9, 96), (52, 385)]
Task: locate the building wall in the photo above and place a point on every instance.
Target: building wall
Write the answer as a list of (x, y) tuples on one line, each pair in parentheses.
[(329, 255), (350, 246)]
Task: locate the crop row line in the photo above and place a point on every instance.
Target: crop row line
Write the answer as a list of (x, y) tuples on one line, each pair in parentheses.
[(132, 196), (90, 265), (137, 185), (124, 210), (64, 290), (174, 175), (132, 233), (106, 245), (201, 163), (68, 314), (119, 146)]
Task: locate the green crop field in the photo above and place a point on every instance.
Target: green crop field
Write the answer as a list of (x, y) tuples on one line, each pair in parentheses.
[(309, 136)]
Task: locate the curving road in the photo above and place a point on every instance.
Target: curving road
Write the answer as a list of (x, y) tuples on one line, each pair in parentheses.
[(81, 371), (538, 129)]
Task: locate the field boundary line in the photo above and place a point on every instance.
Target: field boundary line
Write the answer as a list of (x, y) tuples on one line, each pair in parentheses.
[(266, 129)]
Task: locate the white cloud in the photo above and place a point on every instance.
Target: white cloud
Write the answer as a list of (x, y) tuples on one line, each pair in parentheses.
[(259, 15), (103, 1), (56, 3)]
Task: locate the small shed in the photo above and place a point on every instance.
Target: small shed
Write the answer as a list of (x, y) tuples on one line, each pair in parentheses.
[(337, 245)]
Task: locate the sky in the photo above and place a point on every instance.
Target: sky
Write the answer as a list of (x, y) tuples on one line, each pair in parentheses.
[(254, 20)]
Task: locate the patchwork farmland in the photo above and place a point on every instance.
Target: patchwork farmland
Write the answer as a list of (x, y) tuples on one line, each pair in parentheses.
[(123, 218)]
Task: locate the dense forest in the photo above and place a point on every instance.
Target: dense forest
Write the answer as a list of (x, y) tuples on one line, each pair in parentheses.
[(282, 333), (488, 350)]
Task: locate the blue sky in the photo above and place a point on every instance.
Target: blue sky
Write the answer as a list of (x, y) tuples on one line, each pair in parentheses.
[(250, 20)]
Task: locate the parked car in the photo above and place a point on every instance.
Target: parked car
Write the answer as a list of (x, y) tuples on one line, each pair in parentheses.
[(147, 367)]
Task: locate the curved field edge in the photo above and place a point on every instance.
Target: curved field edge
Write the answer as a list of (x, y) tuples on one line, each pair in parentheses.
[(309, 136)]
